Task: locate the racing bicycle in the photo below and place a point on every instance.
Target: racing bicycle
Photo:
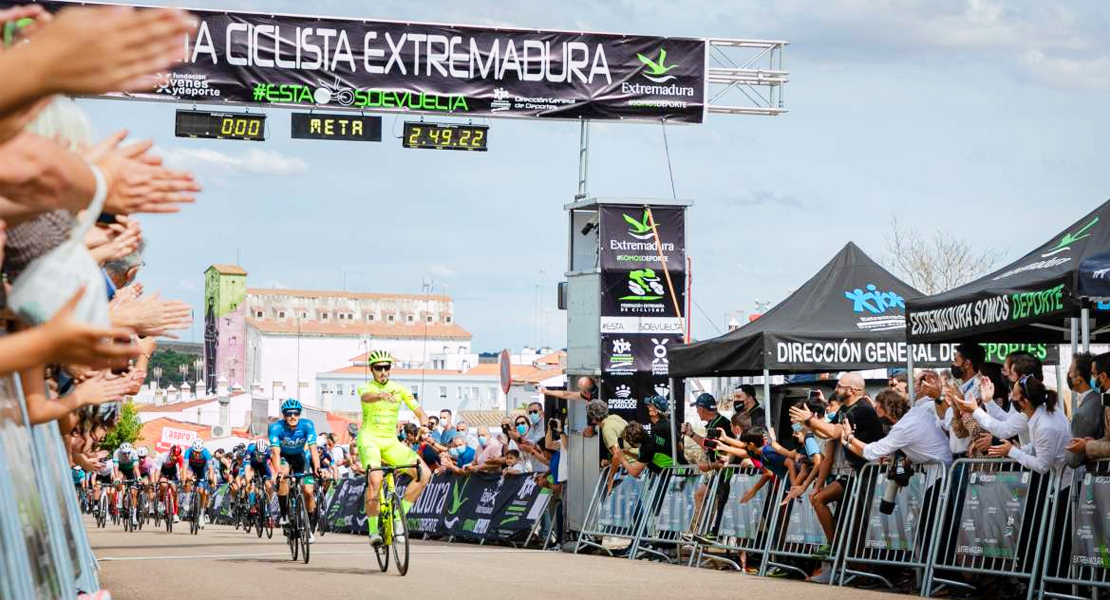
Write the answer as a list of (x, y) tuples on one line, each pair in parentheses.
[(298, 531), (394, 528)]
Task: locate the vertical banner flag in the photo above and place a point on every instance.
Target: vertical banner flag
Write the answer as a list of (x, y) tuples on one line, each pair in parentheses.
[(639, 320)]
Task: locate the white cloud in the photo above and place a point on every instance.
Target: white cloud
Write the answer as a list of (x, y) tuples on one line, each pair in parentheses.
[(1067, 73), (764, 197), (441, 271), (255, 161)]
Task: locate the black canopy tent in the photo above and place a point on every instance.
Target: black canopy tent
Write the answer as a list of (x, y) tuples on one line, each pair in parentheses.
[(1033, 299), (849, 316)]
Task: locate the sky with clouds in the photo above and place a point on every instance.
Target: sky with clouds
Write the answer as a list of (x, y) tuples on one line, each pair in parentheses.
[(987, 119)]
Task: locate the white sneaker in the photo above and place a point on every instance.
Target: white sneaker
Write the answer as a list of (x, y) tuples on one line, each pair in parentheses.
[(283, 521), (375, 540), (176, 519), (824, 577), (311, 538)]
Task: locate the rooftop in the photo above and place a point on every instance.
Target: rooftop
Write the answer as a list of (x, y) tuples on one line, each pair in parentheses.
[(227, 269), (384, 330), (344, 295)]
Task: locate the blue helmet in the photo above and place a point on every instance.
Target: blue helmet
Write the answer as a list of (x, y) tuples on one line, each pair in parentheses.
[(290, 404)]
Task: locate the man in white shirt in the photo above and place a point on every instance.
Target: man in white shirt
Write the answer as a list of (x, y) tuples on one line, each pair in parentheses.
[(917, 434)]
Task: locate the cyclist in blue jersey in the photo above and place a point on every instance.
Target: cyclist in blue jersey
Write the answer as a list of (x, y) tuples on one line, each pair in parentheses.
[(199, 462), (290, 439), (256, 460)]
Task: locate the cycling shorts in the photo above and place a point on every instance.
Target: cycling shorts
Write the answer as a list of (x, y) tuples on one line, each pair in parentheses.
[(297, 466), (374, 451), (104, 479), (169, 473), (199, 471), (262, 468)]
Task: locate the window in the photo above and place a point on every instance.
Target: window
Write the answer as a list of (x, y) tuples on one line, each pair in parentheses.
[(464, 393), (447, 319), (323, 388), (369, 317), (258, 314), (339, 389), (428, 319), (281, 315), (443, 392), (493, 393), (389, 318), (324, 316), (474, 393), (304, 315), (410, 319)]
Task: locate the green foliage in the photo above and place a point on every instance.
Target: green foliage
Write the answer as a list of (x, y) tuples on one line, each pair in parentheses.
[(170, 361), (127, 429)]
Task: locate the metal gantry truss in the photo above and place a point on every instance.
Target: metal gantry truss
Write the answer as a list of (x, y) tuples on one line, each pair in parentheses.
[(745, 77)]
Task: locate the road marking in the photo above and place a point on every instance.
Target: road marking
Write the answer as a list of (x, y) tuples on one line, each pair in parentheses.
[(314, 553)]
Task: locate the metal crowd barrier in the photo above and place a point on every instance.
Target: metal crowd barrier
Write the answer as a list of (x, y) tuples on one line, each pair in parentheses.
[(730, 527), (616, 514), (799, 535), (44, 551), (668, 522), (1080, 558), (900, 539), (992, 523)]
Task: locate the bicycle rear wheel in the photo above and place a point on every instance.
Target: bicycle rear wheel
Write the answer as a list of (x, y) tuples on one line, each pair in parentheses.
[(400, 535), (194, 512)]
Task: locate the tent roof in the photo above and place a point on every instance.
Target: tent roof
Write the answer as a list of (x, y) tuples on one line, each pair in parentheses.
[(1029, 300), (852, 302)]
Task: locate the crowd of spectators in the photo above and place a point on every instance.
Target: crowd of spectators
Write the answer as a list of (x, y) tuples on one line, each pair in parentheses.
[(80, 327)]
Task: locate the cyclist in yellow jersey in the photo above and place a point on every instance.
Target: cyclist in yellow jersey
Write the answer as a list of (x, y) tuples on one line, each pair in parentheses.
[(377, 439)]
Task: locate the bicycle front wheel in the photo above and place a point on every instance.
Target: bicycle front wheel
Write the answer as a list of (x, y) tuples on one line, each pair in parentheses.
[(306, 532), (400, 536)]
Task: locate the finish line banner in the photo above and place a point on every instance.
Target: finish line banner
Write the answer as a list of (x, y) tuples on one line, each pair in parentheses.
[(435, 69)]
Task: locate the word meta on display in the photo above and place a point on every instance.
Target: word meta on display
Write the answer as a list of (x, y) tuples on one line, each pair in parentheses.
[(441, 136), (315, 126), (221, 126)]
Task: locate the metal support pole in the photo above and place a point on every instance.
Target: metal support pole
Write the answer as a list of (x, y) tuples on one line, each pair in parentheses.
[(674, 426), (583, 159), (909, 372), (767, 398), (1085, 323), (1074, 336)]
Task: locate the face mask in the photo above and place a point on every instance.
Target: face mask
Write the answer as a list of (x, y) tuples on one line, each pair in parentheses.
[(534, 417), (522, 429), (456, 451), (482, 440), (957, 371), (830, 417), (400, 437), (796, 427), (1094, 384)]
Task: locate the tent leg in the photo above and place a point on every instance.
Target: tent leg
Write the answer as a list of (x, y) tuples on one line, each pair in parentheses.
[(1085, 323), (767, 399), (909, 372), (1074, 336)]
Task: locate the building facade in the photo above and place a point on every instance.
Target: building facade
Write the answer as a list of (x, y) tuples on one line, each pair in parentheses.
[(277, 340)]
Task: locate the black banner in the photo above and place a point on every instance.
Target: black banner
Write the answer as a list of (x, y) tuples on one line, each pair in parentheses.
[(435, 69), (628, 242), (483, 506), (318, 126), (641, 293)]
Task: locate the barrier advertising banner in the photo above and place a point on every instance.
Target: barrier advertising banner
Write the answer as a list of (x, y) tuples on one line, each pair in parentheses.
[(438, 69), (895, 531), (744, 521), (1090, 545), (803, 526), (678, 507), (991, 516)]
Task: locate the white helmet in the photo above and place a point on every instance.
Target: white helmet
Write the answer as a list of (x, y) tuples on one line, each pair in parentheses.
[(125, 447), (143, 451), (198, 445), (262, 445), (322, 439)]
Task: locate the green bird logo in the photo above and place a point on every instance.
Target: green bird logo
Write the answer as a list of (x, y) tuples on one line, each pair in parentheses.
[(641, 229), (1071, 238), (656, 70)]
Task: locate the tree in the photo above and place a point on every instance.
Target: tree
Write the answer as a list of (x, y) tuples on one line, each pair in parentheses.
[(170, 361), (936, 262), (128, 428)]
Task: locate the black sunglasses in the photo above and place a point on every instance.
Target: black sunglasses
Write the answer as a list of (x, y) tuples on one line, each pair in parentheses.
[(292, 413), (534, 412), (380, 367)]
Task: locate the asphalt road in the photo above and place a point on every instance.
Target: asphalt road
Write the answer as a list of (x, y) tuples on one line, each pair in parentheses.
[(222, 563)]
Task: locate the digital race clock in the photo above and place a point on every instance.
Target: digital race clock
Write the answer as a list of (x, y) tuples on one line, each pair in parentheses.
[(441, 136), (223, 126)]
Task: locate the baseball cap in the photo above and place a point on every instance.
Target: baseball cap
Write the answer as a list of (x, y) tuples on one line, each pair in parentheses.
[(658, 402), (705, 400)]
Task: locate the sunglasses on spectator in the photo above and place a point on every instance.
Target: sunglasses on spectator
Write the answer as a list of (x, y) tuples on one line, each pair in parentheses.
[(534, 412), (380, 367)]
